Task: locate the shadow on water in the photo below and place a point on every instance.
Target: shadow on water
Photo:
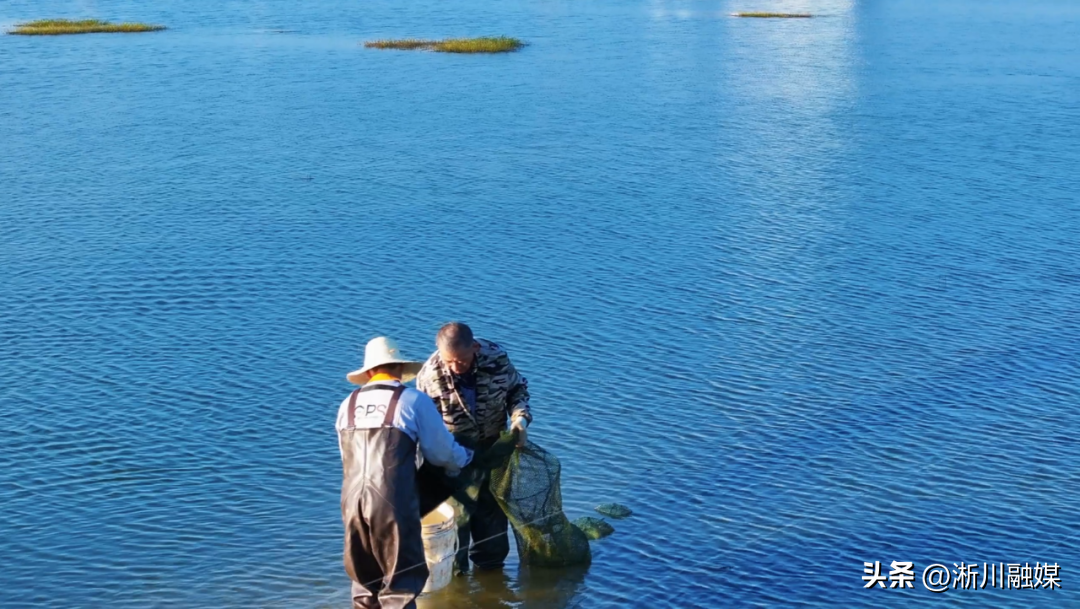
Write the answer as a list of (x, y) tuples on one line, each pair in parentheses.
[(531, 588)]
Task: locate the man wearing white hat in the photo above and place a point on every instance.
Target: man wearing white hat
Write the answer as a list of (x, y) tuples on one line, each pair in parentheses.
[(379, 428)]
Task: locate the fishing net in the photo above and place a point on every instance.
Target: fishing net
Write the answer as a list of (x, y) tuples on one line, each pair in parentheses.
[(526, 485), (525, 482)]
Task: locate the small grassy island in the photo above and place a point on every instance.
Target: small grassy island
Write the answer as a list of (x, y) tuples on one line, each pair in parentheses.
[(56, 27), (775, 15), (498, 44)]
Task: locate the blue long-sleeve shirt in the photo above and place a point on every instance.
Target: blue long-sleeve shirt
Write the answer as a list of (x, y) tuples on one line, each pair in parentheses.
[(416, 416)]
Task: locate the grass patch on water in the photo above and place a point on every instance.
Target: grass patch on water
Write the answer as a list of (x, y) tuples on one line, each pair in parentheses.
[(775, 15), (496, 44), (499, 44), (56, 27), (405, 44)]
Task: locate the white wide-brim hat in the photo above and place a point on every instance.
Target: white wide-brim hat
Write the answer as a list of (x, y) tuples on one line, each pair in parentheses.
[(381, 351)]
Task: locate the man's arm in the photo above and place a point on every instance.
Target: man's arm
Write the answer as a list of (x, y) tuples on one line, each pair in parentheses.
[(517, 394), (341, 423), (517, 399), (436, 443)]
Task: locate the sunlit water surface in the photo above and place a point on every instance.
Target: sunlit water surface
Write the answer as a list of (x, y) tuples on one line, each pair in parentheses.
[(802, 293)]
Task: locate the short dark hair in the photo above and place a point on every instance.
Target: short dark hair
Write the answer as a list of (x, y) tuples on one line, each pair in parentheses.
[(455, 336)]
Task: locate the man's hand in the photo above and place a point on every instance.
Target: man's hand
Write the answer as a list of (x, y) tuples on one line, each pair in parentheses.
[(518, 427)]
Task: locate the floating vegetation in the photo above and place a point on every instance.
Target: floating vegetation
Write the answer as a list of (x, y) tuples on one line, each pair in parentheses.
[(56, 27), (496, 44), (405, 44), (500, 44), (614, 510), (775, 15), (594, 528)]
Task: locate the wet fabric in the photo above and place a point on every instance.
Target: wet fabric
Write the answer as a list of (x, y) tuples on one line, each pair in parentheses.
[(483, 530), (433, 487), (380, 507)]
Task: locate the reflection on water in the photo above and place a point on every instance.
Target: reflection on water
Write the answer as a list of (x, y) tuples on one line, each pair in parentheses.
[(527, 588), (777, 285)]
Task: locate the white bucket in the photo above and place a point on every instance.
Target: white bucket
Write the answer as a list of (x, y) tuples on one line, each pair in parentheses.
[(439, 530)]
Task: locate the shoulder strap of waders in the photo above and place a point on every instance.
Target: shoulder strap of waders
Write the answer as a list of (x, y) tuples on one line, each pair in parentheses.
[(388, 420), (352, 408)]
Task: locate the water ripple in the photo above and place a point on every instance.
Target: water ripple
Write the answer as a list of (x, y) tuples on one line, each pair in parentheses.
[(803, 295)]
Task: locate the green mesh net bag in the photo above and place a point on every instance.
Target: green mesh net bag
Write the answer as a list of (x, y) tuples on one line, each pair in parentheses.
[(526, 486)]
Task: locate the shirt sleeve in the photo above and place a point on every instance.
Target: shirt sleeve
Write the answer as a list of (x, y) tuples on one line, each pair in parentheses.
[(517, 396), (341, 422), (342, 414), (436, 443)]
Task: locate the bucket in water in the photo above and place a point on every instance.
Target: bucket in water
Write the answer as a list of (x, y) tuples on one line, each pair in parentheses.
[(439, 530)]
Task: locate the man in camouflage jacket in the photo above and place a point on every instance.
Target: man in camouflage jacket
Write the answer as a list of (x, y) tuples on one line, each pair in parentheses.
[(477, 389)]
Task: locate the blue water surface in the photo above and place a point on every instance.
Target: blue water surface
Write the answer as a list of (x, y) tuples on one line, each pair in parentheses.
[(802, 293)]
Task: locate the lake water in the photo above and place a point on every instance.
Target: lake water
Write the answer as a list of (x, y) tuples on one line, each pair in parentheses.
[(802, 293)]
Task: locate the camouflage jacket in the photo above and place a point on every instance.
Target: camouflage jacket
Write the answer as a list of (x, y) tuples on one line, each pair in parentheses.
[(501, 393)]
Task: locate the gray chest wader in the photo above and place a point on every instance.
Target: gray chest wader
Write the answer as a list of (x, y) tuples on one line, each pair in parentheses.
[(384, 554)]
